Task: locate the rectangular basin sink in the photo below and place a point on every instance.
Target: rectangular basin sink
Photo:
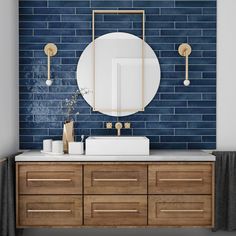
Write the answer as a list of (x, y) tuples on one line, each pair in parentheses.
[(117, 145)]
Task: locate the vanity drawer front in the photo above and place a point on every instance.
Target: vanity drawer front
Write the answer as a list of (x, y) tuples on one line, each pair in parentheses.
[(49, 178), (46, 210), (115, 179), (180, 179), (176, 210), (115, 210)]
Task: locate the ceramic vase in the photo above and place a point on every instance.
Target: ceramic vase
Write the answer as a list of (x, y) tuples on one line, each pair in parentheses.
[(68, 134)]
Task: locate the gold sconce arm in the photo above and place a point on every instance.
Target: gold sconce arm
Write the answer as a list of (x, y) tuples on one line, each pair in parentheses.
[(184, 51), (50, 50)]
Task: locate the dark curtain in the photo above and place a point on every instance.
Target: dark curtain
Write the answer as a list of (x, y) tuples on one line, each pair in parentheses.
[(7, 198), (225, 205)]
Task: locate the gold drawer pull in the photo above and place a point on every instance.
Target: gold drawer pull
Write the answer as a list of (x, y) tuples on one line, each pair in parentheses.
[(49, 180), (116, 211), (49, 211), (181, 180), (115, 180), (184, 211)]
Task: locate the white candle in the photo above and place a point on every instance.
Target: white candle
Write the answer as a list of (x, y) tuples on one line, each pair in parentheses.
[(47, 145)]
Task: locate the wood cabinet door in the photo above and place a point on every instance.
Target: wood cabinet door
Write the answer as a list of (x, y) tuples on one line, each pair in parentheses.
[(49, 178), (115, 210), (49, 210), (180, 210), (180, 179), (115, 179)]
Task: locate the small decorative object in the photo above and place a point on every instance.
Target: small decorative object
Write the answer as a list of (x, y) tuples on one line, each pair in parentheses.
[(76, 148), (47, 145), (68, 129), (57, 147)]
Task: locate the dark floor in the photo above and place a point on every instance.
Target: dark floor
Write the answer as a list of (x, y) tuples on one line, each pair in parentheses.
[(123, 232)]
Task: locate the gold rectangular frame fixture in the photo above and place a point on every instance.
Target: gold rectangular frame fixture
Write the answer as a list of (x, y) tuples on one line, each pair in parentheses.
[(142, 55)]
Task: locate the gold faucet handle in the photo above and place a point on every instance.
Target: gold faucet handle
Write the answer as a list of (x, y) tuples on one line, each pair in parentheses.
[(109, 125), (127, 125)]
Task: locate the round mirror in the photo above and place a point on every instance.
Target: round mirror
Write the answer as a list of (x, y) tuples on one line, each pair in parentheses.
[(121, 73)]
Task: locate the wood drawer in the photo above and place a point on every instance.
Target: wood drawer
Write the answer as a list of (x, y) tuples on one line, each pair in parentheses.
[(180, 179), (46, 210), (176, 210), (49, 178), (115, 179), (114, 210)]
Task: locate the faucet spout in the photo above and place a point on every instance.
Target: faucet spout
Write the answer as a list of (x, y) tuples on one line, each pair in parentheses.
[(118, 127)]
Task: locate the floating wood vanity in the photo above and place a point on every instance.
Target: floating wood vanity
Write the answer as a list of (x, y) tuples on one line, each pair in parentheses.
[(165, 189)]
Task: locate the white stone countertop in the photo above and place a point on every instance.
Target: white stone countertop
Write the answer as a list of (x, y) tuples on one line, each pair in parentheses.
[(155, 155)]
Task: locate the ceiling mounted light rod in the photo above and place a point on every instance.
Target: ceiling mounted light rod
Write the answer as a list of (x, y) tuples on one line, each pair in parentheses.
[(184, 51), (50, 50)]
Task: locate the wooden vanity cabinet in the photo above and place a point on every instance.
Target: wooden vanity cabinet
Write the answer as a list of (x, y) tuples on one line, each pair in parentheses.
[(150, 194)]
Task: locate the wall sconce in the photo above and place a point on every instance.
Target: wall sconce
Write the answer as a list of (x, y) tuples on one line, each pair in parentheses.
[(50, 50), (184, 51)]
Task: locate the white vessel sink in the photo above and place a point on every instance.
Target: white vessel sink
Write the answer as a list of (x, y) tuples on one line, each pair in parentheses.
[(117, 146)]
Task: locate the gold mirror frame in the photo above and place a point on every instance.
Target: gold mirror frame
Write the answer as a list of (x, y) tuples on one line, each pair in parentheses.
[(142, 55)]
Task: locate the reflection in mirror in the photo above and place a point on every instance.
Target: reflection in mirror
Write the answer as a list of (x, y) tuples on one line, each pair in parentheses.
[(127, 74)]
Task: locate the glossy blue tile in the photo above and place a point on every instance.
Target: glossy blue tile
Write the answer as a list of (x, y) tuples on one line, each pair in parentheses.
[(54, 32), (191, 3), (120, 4), (39, 18), (80, 3), (200, 110), (32, 4), (168, 145), (55, 10), (197, 89), (209, 117), (209, 139), (157, 3), (180, 96), (181, 117), (195, 25), (180, 11), (202, 18), (177, 118), (166, 125), (181, 33), (202, 125), (209, 11), (25, 10), (201, 104), (144, 132), (66, 25), (202, 145), (166, 18), (180, 139), (195, 131), (32, 25)]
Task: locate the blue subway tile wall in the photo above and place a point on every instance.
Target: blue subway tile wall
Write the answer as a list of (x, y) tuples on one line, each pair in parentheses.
[(178, 118)]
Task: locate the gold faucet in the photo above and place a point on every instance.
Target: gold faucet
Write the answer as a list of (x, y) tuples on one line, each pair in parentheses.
[(118, 127)]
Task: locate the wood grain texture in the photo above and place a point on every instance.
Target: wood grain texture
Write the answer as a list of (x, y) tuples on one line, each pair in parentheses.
[(115, 179), (50, 210), (50, 179), (180, 179), (115, 194), (180, 210), (115, 210)]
